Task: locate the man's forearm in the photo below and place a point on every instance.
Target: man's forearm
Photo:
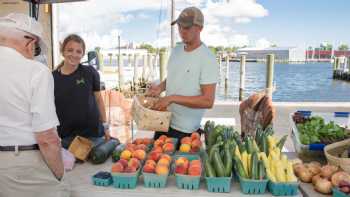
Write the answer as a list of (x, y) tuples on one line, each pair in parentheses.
[(203, 102), (50, 148)]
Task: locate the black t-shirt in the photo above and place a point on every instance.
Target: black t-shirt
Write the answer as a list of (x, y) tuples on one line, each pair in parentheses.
[(76, 106)]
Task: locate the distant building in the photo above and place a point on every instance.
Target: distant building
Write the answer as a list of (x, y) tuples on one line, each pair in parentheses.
[(110, 56), (282, 54), (324, 55)]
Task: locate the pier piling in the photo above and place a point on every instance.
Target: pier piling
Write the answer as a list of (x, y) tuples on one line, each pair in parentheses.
[(242, 77), (269, 73)]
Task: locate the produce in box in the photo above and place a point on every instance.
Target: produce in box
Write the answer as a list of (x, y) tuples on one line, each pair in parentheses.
[(191, 144)]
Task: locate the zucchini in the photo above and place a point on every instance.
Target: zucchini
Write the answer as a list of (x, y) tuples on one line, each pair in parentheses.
[(249, 145), (218, 165), (227, 160), (239, 167), (209, 171), (254, 167), (214, 148), (100, 153), (261, 169), (265, 147)]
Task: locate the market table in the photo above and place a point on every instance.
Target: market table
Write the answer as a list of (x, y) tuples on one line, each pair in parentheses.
[(81, 185)]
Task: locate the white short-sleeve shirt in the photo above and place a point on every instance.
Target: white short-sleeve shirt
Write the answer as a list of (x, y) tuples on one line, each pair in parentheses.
[(26, 99), (187, 71)]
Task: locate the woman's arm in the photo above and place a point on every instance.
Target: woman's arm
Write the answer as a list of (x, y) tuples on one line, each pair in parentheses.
[(102, 110)]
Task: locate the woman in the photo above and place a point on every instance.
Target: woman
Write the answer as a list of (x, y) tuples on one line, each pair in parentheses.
[(79, 105)]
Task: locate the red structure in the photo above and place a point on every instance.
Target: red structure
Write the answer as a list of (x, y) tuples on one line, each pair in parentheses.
[(325, 54)]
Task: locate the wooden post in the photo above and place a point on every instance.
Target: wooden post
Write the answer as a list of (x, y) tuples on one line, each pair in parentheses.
[(162, 66), (269, 73), (220, 65), (135, 78), (120, 72), (110, 59), (227, 72), (242, 78), (129, 60), (144, 67)]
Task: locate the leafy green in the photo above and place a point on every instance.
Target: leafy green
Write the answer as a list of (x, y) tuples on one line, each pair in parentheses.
[(316, 131)]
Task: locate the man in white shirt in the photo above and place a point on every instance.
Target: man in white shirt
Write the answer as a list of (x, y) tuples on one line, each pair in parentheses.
[(192, 76), (30, 151)]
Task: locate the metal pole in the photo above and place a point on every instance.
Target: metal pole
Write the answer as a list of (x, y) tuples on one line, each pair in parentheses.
[(242, 77), (172, 27), (144, 66), (120, 67), (110, 59), (220, 66), (269, 73)]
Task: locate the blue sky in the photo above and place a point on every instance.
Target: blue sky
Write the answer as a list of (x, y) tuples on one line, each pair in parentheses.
[(240, 22)]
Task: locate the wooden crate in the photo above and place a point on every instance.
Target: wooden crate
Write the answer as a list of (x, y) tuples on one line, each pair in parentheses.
[(147, 119)]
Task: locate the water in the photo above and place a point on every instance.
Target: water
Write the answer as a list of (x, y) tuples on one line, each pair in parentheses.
[(311, 82)]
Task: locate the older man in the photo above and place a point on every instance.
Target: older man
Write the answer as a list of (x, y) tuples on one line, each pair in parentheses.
[(30, 151), (192, 77)]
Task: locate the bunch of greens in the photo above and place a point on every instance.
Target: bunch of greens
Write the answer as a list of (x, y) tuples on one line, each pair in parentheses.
[(316, 131)]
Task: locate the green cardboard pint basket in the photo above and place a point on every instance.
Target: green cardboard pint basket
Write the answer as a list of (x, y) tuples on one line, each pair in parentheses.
[(125, 180), (250, 186), (283, 189)]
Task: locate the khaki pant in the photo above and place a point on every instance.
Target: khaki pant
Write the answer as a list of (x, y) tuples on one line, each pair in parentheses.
[(28, 175)]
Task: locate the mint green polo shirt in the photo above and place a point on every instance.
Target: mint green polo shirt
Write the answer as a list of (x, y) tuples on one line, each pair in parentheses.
[(186, 72)]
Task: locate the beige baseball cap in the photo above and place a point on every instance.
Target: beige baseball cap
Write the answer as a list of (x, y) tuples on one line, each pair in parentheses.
[(189, 17), (26, 24)]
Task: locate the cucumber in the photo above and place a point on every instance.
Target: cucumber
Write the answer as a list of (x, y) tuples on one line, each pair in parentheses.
[(265, 147), (249, 145), (227, 160), (218, 165), (254, 166), (214, 148), (209, 171), (239, 167)]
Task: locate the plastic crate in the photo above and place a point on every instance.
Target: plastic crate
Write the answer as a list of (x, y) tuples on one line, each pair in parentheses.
[(219, 184), (315, 150), (107, 181), (187, 181), (125, 180), (283, 189), (249, 186), (152, 180), (338, 193)]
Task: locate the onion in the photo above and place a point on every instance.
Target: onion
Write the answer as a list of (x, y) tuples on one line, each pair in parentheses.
[(328, 170), (344, 183), (315, 179), (305, 175), (298, 167), (315, 163), (345, 189), (339, 176), (323, 186)]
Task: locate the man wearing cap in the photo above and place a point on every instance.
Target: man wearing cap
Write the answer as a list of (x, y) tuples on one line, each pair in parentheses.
[(192, 77), (30, 151)]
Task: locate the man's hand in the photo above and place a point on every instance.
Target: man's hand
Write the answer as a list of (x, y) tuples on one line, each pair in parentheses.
[(154, 90), (162, 104)]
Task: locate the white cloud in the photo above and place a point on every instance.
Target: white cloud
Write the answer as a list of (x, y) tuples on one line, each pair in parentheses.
[(262, 43), (96, 19)]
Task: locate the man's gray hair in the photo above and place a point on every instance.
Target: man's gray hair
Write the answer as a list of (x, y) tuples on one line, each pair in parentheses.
[(11, 34)]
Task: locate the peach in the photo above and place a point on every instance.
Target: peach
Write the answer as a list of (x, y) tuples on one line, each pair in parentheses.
[(194, 171), (158, 149), (141, 147), (151, 162), (138, 141), (180, 169), (130, 147), (196, 143), (186, 140), (185, 148), (169, 140), (195, 162), (147, 141), (134, 163), (158, 143), (130, 169), (139, 154), (163, 161), (168, 147), (195, 136), (162, 170), (154, 156), (162, 138), (149, 168), (117, 167), (166, 156), (124, 162), (194, 149), (126, 154), (182, 161)]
